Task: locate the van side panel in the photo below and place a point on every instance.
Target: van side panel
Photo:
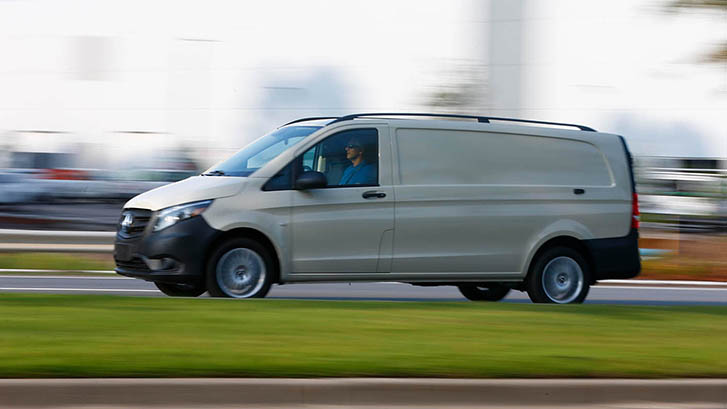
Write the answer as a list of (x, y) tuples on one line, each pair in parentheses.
[(478, 202), (436, 157)]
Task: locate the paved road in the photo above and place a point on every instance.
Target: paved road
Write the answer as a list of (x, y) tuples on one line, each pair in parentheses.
[(643, 295)]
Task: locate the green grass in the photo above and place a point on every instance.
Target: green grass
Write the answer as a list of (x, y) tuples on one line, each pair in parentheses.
[(56, 261), (103, 336)]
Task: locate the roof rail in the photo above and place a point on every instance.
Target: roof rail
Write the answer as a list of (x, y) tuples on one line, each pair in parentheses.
[(483, 119), (312, 118)]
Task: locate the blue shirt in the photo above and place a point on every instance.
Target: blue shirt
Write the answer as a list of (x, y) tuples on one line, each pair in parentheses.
[(363, 174)]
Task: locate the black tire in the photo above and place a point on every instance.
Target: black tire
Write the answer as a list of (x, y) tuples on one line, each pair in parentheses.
[(181, 290), (567, 280), (484, 292), (240, 268)]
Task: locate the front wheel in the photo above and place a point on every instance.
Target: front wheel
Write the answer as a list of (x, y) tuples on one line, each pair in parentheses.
[(560, 275), (240, 268), (181, 290), (481, 292)]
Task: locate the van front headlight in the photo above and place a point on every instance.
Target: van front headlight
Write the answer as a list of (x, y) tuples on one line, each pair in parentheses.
[(175, 214)]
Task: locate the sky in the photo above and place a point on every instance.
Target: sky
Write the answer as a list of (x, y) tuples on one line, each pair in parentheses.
[(211, 76)]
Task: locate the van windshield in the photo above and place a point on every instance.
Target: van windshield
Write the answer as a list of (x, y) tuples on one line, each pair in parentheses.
[(261, 151)]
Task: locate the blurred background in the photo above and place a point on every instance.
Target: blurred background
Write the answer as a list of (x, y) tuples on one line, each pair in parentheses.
[(102, 100)]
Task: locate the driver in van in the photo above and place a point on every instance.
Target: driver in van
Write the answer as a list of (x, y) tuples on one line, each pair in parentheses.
[(360, 172)]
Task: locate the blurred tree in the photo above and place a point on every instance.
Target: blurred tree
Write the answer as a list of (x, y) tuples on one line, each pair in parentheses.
[(719, 55), (464, 92)]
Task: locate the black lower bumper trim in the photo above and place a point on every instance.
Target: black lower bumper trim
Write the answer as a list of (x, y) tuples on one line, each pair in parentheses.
[(185, 243), (615, 258), (160, 276)]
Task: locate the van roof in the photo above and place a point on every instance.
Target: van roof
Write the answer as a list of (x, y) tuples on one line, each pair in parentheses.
[(400, 115)]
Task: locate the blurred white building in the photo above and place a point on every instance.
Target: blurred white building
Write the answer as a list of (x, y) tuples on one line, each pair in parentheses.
[(135, 78), (212, 76), (625, 66)]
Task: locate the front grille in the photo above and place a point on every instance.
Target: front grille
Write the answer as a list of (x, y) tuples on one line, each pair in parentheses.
[(139, 220), (135, 264)]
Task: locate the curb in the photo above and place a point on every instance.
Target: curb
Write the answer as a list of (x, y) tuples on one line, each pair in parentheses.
[(355, 391)]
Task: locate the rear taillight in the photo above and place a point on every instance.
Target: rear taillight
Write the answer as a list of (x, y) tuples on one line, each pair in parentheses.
[(635, 212)]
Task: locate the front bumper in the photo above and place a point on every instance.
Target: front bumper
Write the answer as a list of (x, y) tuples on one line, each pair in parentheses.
[(184, 246), (615, 258)]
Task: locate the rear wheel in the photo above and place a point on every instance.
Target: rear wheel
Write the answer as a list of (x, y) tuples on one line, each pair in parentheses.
[(240, 268), (560, 275), (484, 292), (181, 290)]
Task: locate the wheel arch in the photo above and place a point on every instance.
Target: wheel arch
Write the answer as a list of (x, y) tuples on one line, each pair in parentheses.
[(250, 233), (562, 241)]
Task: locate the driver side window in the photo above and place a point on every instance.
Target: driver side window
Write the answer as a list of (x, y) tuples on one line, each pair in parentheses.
[(309, 160), (347, 158)]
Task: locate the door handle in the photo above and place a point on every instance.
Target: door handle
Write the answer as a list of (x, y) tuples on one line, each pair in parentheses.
[(372, 194)]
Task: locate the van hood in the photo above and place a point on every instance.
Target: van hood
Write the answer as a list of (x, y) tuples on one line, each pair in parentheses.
[(192, 189)]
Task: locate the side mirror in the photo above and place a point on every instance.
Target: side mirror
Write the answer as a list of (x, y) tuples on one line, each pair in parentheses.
[(311, 180)]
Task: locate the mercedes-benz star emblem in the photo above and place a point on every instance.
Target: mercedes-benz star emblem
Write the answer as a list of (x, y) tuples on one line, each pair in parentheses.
[(128, 221)]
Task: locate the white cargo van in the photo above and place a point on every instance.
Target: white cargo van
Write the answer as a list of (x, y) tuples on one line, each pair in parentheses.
[(485, 204)]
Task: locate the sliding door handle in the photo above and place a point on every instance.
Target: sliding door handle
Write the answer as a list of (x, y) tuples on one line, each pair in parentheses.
[(372, 194)]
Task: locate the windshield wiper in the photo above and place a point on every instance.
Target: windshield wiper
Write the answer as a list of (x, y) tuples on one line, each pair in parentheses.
[(214, 173)]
